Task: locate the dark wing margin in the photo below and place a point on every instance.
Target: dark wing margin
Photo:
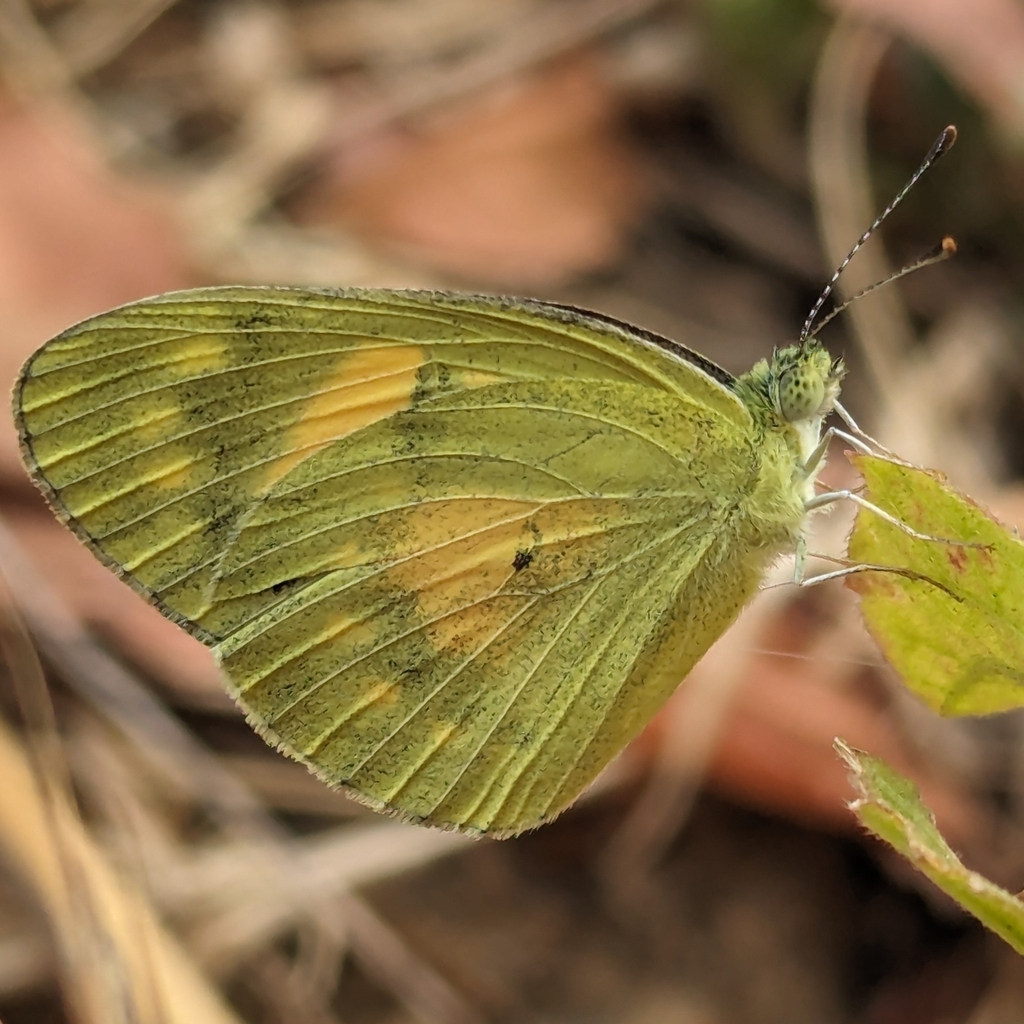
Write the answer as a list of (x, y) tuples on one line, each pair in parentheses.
[(687, 355)]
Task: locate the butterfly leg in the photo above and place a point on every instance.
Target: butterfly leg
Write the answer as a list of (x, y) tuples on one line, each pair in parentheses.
[(800, 560), (865, 437), (849, 570), (817, 457), (830, 497)]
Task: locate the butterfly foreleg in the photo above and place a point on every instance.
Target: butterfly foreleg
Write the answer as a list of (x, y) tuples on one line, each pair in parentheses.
[(865, 437), (817, 457), (830, 497)]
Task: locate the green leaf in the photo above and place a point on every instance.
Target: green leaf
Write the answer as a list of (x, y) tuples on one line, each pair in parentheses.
[(953, 624), (890, 806)]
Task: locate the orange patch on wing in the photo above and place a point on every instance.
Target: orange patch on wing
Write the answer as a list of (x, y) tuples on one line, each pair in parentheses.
[(578, 528), (376, 695), (383, 694), (430, 524), (479, 378), (366, 386), (179, 476), (352, 631), (460, 573), (176, 468), (458, 551), (470, 548), (433, 523), (466, 630)]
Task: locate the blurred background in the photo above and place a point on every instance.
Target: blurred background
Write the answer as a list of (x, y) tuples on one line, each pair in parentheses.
[(695, 166)]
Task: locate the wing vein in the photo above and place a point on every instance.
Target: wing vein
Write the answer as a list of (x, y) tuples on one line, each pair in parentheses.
[(433, 581), (531, 673), (553, 726), (567, 771), (324, 738)]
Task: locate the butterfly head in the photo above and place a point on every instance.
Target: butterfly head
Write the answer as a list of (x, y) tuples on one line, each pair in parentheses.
[(804, 382), (797, 387)]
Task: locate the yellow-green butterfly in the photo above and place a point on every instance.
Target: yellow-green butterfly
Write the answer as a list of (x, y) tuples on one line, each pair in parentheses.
[(452, 552)]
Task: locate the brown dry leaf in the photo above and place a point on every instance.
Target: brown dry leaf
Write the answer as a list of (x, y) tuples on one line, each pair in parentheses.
[(980, 42), (74, 240), (527, 184), (49, 846)]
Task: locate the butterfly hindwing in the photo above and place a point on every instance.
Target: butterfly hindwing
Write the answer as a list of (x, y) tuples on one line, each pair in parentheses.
[(452, 552), (467, 693)]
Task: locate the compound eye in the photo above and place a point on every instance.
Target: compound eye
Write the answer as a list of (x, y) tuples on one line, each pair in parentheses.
[(801, 395)]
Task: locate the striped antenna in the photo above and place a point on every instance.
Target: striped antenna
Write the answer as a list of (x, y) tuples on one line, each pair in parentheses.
[(941, 145), (938, 254)]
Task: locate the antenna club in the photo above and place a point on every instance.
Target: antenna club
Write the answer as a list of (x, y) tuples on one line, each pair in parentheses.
[(946, 248), (944, 143)]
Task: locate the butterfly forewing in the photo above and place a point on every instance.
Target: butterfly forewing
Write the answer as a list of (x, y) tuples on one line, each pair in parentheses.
[(452, 552)]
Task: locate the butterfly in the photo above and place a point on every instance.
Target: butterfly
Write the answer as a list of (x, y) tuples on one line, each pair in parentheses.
[(452, 552)]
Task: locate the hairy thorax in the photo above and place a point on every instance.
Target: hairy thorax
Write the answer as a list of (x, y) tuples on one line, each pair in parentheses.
[(771, 516)]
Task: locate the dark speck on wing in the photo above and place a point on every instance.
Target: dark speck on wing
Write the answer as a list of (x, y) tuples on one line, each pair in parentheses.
[(522, 560)]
